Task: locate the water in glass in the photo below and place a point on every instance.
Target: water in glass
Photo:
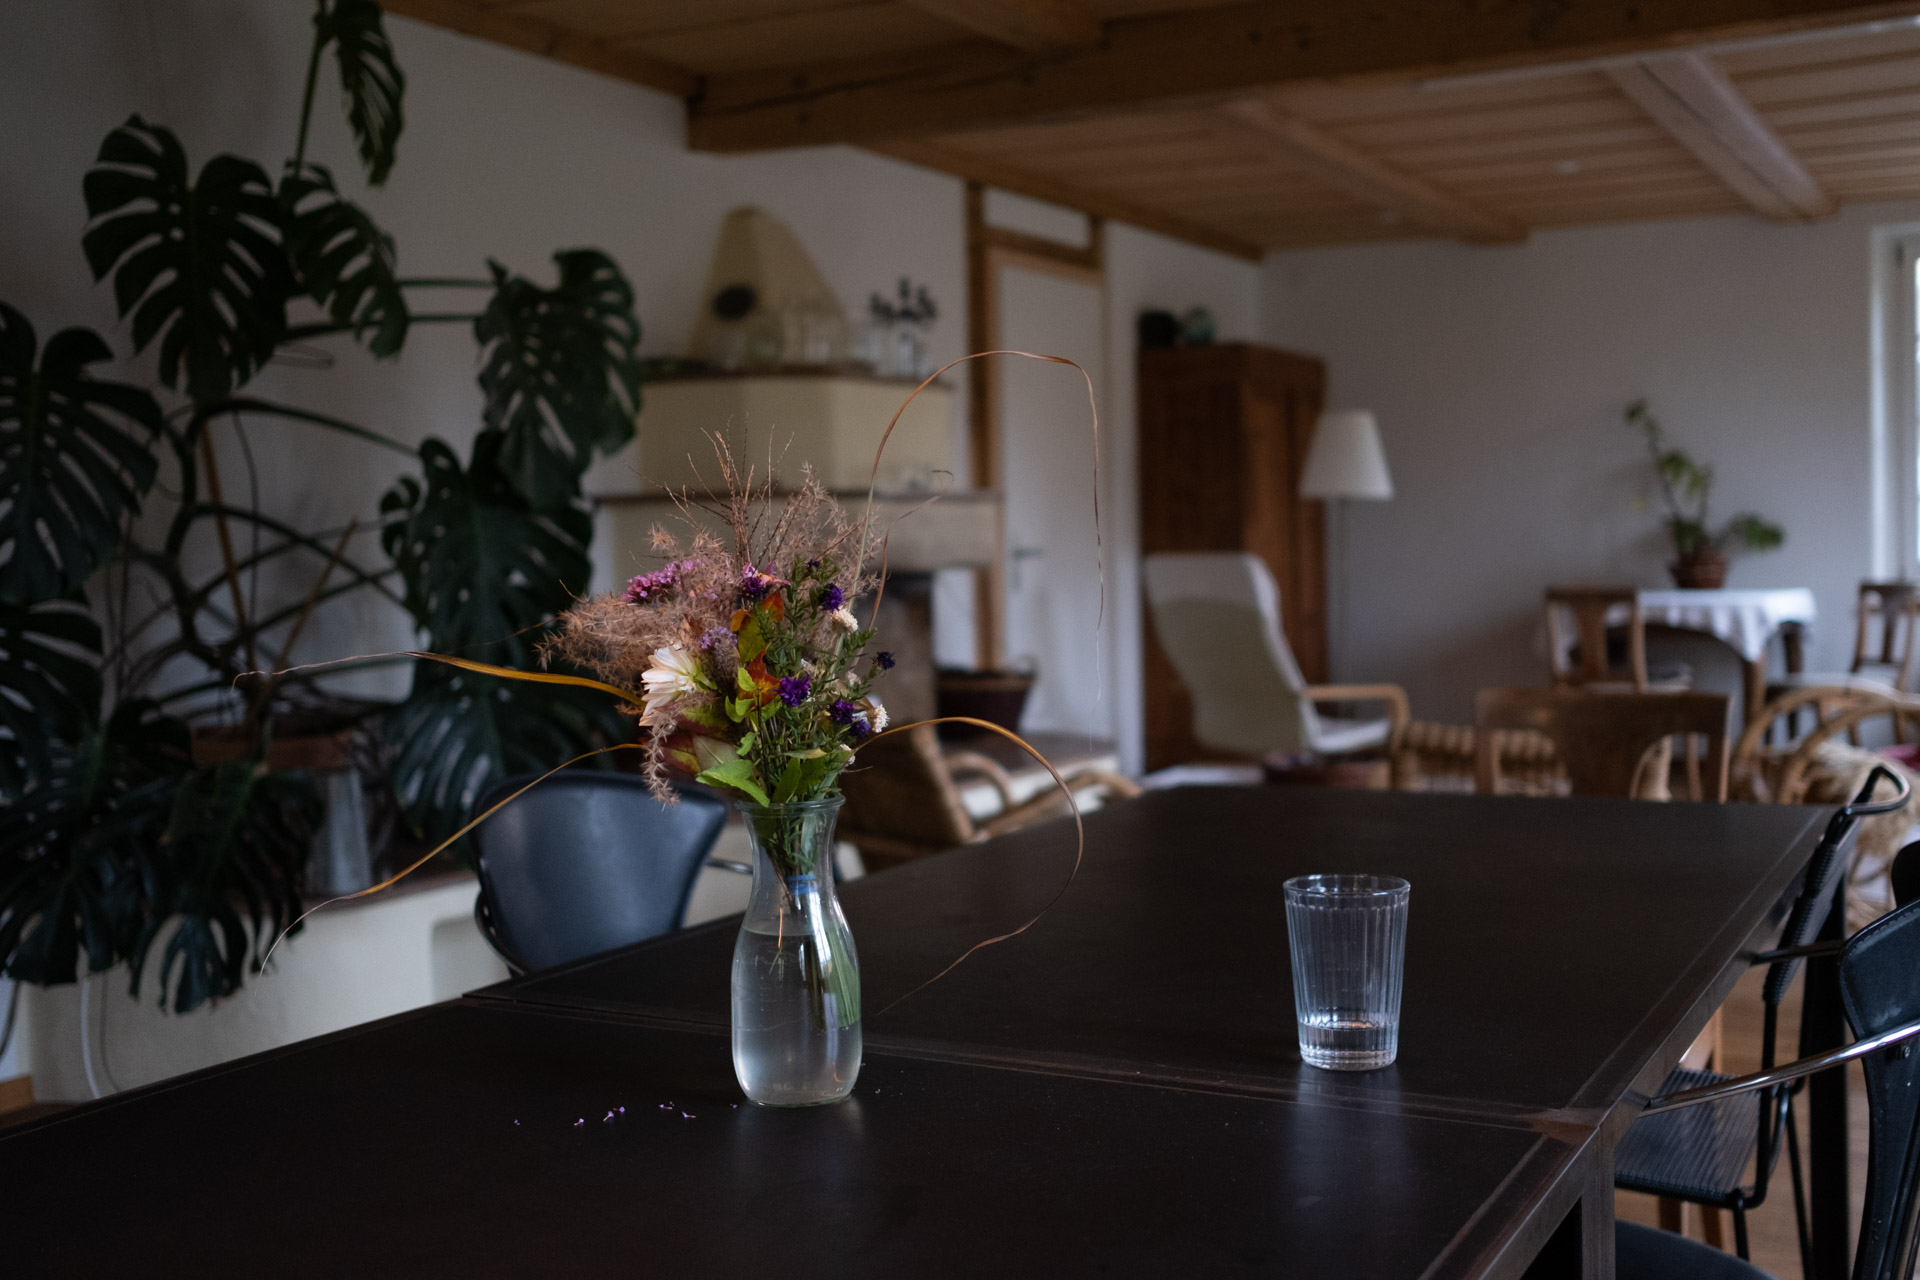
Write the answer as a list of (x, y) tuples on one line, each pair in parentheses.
[(1347, 938)]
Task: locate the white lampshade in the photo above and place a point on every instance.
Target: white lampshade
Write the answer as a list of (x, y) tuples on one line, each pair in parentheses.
[(1346, 460)]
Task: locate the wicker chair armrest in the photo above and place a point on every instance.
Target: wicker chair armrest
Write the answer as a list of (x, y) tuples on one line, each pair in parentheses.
[(973, 762)]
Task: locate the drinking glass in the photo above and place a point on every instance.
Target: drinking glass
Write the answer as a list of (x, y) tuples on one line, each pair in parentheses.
[(1348, 938)]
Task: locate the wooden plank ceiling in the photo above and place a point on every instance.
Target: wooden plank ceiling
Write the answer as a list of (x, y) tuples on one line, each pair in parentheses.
[(1291, 123)]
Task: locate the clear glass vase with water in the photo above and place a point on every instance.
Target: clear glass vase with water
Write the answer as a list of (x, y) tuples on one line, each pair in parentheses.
[(796, 979), (1347, 939)]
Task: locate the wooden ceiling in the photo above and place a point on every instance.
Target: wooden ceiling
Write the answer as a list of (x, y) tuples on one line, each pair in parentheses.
[(1289, 123)]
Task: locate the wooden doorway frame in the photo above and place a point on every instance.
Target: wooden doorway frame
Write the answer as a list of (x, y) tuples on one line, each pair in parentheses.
[(990, 248)]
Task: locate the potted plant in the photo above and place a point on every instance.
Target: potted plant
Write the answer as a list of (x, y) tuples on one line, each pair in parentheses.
[(156, 746), (1699, 551)]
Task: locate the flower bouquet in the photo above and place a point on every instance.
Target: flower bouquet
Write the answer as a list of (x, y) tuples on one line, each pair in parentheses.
[(753, 678)]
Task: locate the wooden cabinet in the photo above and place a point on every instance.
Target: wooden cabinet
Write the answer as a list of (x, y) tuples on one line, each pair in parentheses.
[(1224, 432)]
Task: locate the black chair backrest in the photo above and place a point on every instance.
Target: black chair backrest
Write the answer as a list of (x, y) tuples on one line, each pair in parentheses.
[(586, 862), (1880, 988), (1809, 910), (1904, 876)]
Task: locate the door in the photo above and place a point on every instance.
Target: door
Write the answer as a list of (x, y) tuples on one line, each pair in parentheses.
[(1052, 600)]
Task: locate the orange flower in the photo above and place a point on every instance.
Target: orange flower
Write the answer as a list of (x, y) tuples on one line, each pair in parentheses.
[(767, 686)]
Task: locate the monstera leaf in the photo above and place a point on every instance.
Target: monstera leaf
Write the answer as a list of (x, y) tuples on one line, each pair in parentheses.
[(559, 371), (459, 731), (229, 869), (370, 79), (344, 262), (70, 877), (483, 569), (74, 460), (49, 687), (480, 563), (199, 266)]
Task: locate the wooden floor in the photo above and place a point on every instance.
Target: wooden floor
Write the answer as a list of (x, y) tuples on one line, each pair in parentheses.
[(1773, 1243)]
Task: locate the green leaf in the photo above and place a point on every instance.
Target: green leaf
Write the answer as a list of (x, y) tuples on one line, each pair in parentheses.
[(79, 852), (737, 774), (75, 460), (459, 731), (1753, 533), (229, 870), (791, 778), (370, 79), (751, 643), (199, 267), (559, 371), (49, 687), (480, 564), (344, 262)]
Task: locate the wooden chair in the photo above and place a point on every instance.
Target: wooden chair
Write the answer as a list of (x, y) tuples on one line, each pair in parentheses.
[(1603, 738), (1885, 653), (1577, 650), (903, 798), (1771, 760)]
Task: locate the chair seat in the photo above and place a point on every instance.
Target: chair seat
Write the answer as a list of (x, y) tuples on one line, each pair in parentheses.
[(1644, 1253), (1859, 680), (1697, 1153), (1337, 737)]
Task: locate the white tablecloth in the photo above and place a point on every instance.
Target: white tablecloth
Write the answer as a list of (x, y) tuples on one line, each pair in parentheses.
[(1745, 620)]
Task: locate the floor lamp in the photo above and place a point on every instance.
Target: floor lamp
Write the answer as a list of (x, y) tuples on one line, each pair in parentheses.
[(1344, 463)]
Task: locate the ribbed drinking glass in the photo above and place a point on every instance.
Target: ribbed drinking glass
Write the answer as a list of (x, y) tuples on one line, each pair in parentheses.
[(1347, 935)]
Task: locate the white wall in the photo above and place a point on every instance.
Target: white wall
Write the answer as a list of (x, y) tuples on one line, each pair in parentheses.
[(1499, 376)]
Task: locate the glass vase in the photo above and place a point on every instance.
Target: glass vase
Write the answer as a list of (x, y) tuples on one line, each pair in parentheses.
[(796, 979)]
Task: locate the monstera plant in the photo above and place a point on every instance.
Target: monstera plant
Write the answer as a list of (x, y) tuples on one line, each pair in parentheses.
[(121, 653)]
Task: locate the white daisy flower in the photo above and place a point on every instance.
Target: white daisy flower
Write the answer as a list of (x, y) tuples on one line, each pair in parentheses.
[(843, 617), (674, 674), (879, 717)]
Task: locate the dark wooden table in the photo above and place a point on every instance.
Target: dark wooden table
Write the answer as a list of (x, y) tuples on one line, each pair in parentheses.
[(1116, 1093)]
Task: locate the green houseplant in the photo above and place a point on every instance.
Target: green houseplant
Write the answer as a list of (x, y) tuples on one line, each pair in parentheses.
[(118, 827), (1686, 488)]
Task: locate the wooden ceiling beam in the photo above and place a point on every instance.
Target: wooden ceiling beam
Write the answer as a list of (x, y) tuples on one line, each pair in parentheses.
[(1215, 53), (1365, 176), (1695, 102), (549, 42), (993, 173), (1032, 25)]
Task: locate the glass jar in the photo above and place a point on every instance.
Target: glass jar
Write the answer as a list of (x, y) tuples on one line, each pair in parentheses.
[(796, 978)]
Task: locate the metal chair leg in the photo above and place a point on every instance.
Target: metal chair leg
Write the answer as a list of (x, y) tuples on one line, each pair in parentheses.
[(1799, 1196), (1740, 1233)]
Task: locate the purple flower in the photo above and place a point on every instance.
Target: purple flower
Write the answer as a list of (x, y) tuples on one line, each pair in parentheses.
[(794, 689), (861, 729), (832, 597), (713, 637), (651, 586), (755, 584), (813, 564), (842, 711), (883, 660)]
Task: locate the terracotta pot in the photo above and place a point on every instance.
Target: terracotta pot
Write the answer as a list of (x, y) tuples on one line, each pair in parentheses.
[(1702, 571)]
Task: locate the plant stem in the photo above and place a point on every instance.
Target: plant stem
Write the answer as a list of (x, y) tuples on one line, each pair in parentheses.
[(313, 77)]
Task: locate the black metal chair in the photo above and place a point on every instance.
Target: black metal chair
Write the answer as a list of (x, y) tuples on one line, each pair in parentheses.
[(1701, 1155), (1880, 990), (586, 862)]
